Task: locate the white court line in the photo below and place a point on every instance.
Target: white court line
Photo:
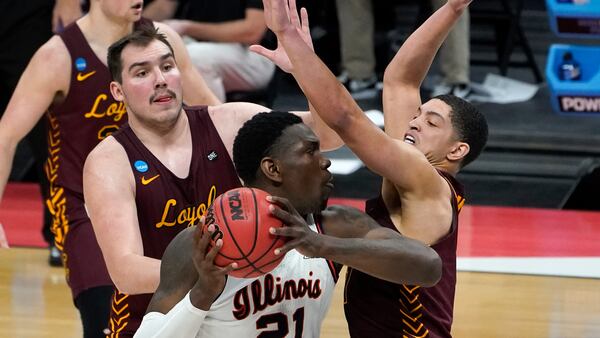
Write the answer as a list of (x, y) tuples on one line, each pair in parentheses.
[(588, 267)]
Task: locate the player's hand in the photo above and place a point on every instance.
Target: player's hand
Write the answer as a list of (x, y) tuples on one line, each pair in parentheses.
[(459, 5), (279, 55), (65, 12), (211, 278), (3, 240), (301, 237)]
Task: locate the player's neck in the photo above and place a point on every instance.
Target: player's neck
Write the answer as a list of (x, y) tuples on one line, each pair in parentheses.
[(103, 31), (163, 135)]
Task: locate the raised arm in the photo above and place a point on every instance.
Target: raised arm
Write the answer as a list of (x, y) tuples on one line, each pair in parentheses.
[(159, 10), (38, 86), (195, 90), (109, 193), (354, 239), (381, 153), (407, 70)]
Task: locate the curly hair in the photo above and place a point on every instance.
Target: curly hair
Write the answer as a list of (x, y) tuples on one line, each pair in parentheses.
[(258, 138)]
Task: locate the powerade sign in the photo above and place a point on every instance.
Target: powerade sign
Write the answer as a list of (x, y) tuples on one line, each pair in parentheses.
[(578, 25), (579, 104)]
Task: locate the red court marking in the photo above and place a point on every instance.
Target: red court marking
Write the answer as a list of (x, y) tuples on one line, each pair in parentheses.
[(21, 215), (522, 232)]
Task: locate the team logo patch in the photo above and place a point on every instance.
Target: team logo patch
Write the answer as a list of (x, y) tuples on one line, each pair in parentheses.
[(80, 64), (141, 166), (212, 156)]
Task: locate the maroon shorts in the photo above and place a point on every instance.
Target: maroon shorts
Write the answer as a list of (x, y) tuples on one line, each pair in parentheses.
[(82, 258)]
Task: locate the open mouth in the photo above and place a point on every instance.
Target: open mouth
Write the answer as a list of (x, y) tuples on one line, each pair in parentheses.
[(138, 5), (409, 139)]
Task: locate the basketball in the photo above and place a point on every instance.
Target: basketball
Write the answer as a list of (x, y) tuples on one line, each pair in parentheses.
[(242, 221)]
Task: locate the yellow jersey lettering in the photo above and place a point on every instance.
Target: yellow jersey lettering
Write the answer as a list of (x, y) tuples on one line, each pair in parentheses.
[(188, 216), (115, 110), (163, 222)]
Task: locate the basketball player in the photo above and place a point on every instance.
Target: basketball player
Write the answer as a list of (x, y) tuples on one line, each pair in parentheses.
[(424, 148), (279, 154), (146, 183), (67, 79)]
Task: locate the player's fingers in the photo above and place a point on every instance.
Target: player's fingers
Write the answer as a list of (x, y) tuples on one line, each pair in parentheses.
[(287, 247), (282, 202), (212, 253), (286, 231), (3, 240), (294, 14), (226, 270), (262, 51), (283, 215)]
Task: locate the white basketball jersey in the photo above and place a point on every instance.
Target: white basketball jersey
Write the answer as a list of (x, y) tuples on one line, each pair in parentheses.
[(290, 301)]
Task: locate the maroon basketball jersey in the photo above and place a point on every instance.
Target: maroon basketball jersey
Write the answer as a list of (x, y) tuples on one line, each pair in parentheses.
[(76, 125), (167, 204), (377, 308)]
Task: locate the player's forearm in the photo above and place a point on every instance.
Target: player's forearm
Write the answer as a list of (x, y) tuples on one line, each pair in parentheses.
[(330, 99), (183, 320), (7, 154), (134, 274), (412, 62), (398, 260)]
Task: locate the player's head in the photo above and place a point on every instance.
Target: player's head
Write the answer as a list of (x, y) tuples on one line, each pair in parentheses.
[(448, 129), (118, 10), (278, 153), (146, 77)]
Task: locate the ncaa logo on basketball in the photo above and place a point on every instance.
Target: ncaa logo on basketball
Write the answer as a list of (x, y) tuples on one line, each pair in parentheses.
[(141, 166), (235, 204), (80, 64)]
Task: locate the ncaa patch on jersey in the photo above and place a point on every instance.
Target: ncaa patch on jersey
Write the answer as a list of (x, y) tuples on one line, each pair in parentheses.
[(140, 166), (80, 64)]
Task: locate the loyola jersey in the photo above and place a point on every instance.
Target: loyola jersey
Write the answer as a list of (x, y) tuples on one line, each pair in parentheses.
[(378, 308), (76, 125), (167, 204), (290, 301)]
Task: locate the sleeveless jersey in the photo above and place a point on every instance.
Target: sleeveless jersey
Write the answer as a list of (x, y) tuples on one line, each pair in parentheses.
[(75, 126), (290, 301), (378, 308), (167, 204)]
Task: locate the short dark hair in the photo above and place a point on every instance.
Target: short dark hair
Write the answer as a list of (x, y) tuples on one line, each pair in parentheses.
[(469, 123), (258, 138), (142, 36)]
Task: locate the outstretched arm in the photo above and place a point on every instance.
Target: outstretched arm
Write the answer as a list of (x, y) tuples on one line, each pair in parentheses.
[(356, 240), (329, 139), (407, 70), (381, 153)]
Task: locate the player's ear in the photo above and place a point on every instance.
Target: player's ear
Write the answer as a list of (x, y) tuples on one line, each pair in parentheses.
[(270, 169), (117, 91), (459, 151)]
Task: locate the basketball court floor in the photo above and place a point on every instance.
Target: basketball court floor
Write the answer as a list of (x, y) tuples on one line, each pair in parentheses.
[(523, 273)]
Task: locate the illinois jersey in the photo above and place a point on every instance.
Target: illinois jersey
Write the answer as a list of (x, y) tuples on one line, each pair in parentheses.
[(378, 308), (167, 204), (290, 301)]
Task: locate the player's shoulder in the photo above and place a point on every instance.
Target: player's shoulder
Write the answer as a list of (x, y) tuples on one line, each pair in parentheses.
[(53, 53), (108, 153)]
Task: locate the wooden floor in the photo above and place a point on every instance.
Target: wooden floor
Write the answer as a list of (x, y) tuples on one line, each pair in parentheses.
[(35, 302)]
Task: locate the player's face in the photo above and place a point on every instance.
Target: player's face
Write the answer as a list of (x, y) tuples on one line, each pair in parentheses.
[(128, 10), (306, 181), (431, 130), (151, 84)]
